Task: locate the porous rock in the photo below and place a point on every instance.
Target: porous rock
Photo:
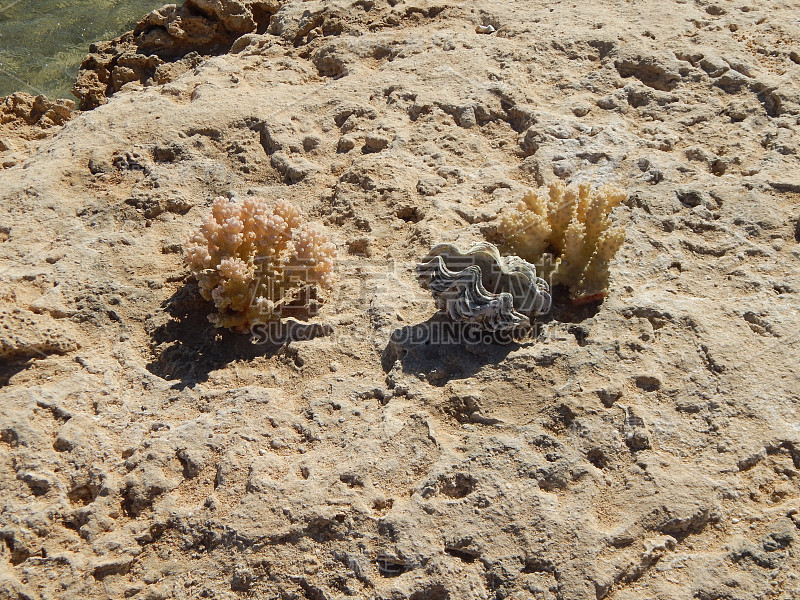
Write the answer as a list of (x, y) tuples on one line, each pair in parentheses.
[(645, 447)]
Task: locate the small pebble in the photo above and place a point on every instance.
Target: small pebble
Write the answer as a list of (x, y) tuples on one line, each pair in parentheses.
[(581, 110)]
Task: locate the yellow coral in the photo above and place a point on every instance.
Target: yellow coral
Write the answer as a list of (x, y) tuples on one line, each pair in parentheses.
[(258, 264), (568, 231)]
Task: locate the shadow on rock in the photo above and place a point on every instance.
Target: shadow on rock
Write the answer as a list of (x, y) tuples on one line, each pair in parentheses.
[(187, 347), (442, 349), (11, 367), (565, 311)]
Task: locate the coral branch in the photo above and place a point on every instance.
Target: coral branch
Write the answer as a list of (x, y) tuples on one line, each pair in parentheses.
[(571, 231), (258, 264)]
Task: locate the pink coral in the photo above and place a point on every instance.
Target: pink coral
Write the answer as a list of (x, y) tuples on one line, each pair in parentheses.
[(258, 263)]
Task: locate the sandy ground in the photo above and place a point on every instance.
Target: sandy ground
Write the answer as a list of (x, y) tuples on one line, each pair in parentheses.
[(644, 447)]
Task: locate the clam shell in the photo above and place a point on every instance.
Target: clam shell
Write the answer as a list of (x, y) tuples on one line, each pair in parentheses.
[(480, 287)]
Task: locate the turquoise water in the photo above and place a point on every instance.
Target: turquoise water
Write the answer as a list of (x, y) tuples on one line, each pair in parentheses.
[(42, 42)]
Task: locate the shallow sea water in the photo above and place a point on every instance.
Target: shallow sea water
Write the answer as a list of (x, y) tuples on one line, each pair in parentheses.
[(42, 42)]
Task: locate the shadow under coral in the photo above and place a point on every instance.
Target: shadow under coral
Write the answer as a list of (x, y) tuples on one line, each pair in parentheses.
[(565, 311), (188, 347)]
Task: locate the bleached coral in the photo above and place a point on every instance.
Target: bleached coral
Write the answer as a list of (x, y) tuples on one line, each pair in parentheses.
[(479, 287), (570, 234), (259, 264)]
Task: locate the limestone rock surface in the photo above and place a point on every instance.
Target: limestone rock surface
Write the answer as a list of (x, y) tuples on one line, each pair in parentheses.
[(644, 447)]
